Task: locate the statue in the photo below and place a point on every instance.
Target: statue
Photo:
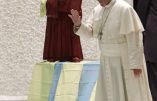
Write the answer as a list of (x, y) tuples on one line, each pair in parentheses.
[(61, 44)]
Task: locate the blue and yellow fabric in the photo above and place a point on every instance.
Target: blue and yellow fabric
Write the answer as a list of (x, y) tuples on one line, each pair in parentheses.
[(64, 81)]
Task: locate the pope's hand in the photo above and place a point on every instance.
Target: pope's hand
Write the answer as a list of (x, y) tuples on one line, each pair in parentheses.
[(76, 18), (137, 72)]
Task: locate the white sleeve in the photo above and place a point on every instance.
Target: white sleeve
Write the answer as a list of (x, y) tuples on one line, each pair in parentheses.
[(135, 50)]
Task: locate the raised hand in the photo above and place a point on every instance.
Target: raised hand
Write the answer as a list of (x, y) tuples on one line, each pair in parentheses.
[(76, 18)]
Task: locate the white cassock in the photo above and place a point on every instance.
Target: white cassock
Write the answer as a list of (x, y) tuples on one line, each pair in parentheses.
[(121, 51)]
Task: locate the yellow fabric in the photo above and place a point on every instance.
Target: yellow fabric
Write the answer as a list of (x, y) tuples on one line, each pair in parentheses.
[(43, 8), (41, 81), (67, 89)]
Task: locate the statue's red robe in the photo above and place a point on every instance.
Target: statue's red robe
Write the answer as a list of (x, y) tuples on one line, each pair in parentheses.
[(61, 44)]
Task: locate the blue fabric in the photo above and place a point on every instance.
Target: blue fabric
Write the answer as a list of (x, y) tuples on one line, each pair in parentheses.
[(55, 79), (87, 81)]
